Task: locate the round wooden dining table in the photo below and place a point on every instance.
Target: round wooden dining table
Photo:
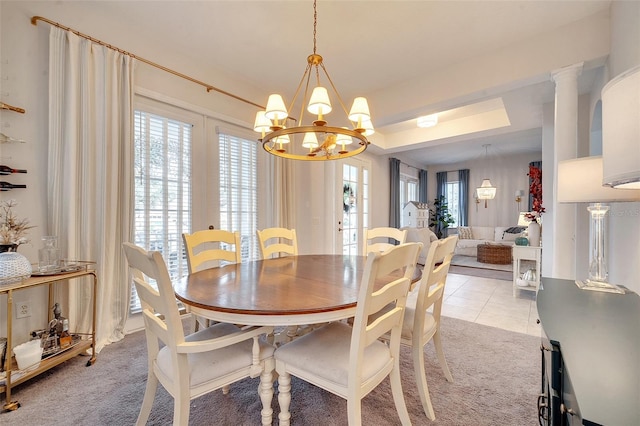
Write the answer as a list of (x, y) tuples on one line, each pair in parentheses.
[(293, 290)]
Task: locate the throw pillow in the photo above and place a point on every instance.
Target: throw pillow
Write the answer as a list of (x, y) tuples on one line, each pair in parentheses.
[(465, 233)]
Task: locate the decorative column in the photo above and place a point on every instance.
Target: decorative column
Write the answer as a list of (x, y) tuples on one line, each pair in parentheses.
[(563, 216)]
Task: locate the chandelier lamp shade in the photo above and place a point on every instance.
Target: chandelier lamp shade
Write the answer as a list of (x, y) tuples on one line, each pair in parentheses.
[(312, 138), (486, 191)]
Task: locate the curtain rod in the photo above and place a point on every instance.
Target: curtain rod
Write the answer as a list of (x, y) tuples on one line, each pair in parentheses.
[(11, 108), (35, 19), (409, 165)]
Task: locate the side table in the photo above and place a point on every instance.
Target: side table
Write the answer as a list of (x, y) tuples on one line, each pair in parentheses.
[(520, 253), (15, 376)]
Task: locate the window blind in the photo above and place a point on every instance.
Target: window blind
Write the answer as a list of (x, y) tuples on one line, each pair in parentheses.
[(162, 186), (239, 191)]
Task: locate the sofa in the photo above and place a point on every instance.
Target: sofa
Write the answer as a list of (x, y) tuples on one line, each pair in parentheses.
[(469, 237), (421, 235)]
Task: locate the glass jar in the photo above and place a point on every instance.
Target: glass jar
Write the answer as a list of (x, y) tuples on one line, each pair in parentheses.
[(48, 255)]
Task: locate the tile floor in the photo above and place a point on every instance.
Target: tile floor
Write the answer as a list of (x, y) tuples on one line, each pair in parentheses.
[(490, 302)]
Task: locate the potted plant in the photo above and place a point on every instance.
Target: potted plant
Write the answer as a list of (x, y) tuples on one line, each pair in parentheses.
[(439, 217)]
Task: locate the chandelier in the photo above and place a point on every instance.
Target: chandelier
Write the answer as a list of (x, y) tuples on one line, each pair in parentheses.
[(316, 141), (486, 191)]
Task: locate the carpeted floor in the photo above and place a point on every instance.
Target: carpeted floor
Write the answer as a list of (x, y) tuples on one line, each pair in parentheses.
[(496, 376)]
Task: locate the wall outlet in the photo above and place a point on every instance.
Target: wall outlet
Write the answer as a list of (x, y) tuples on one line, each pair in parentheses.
[(23, 309)]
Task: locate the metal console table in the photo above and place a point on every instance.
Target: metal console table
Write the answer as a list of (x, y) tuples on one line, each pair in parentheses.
[(14, 376)]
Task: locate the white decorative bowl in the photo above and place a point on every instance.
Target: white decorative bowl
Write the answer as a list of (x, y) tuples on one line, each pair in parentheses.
[(13, 267)]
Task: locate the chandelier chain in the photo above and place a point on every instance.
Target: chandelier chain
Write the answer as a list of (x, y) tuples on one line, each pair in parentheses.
[(315, 24)]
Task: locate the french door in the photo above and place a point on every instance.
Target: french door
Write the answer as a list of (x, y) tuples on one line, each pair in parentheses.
[(353, 178)]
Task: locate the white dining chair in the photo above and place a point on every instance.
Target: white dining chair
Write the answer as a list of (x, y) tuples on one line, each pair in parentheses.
[(193, 365), (206, 249), (350, 361), (277, 241), (422, 315), (211, 247), (381, 239)]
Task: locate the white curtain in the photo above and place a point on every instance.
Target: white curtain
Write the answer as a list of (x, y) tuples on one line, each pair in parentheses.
[(90, 191), (281, 191)]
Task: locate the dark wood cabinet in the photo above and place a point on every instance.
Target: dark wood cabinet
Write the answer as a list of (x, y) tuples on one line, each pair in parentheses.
[(590, 356)]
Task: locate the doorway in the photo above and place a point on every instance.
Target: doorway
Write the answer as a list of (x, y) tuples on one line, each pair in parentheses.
[(354, 184)]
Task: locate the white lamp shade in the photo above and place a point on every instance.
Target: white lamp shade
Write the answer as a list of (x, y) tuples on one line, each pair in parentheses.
[(486, 191), (319, 102), (283, 139), (428, 120), (359, 110), (262, 123), (367, 125), (580, 181), (344, 140), (621, 130), (275, 108), (519, 193), (310, 140)]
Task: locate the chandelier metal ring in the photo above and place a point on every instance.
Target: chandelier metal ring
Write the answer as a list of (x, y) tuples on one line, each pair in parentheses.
[(317, 141)]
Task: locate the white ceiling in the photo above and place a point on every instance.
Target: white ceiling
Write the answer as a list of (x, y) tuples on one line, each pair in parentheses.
[(370, 48)]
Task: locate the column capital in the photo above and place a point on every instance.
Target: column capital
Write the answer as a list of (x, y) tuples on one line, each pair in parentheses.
[(570, 71)]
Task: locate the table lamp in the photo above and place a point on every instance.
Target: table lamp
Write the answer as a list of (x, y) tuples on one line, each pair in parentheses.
[(580, 181)]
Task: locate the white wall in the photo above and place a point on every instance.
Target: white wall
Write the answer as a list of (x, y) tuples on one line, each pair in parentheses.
[(507, 173), (23, 83)]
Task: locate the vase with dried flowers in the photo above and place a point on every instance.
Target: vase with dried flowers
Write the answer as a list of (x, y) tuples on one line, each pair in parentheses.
[(13, 231), (535, 215)]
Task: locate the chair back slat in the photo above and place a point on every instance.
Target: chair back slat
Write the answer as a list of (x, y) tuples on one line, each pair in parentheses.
[(378, 268), (382, 239), (275, 242), (204, 249), (155, 303), (434, 276)]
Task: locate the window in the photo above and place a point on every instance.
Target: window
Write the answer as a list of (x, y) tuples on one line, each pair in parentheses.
[(239, 191), (162, 188), (453, 194)]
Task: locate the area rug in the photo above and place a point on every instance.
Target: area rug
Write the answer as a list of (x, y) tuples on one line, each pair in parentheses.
[(496, 380), (471, 262), (480, 272)]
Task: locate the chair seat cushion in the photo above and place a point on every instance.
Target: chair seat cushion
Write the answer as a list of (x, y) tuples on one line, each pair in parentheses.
[(211, 365), (409, 315), (324, 353)]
